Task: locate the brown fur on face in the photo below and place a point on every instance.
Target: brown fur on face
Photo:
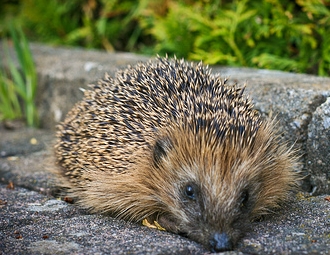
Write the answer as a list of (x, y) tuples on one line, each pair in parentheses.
[(170, 142)]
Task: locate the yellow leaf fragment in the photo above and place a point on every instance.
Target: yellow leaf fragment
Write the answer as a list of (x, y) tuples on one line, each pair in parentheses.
[(155, 224), (159, 226), (146, 223)]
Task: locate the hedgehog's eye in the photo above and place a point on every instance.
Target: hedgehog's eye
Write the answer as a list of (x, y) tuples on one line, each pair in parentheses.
[(190, 191), (244, 199)]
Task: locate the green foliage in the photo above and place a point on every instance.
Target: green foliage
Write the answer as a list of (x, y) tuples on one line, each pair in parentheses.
[(50, 20), (274, 34), (221, 37), (9, 103), (107, 24), (172, 32), (18, 86)]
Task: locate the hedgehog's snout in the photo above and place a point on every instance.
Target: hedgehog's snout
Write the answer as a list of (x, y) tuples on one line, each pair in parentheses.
[(220, 242)]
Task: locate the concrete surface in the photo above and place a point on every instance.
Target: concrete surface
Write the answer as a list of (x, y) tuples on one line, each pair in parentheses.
[(34, 221)]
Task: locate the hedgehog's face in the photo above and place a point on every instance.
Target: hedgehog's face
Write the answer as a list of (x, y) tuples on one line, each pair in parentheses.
[(213, 217), (216, 218), (211, 194)]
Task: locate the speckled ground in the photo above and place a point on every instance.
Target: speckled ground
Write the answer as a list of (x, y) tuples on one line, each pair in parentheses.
[(33, 223)]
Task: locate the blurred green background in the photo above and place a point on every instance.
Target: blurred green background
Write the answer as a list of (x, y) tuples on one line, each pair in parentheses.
[(273, 34)]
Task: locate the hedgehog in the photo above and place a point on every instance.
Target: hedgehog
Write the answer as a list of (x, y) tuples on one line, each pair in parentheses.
[(171, 143)]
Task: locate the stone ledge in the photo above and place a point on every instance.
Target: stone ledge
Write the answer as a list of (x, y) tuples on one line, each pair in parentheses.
[(32, 223)]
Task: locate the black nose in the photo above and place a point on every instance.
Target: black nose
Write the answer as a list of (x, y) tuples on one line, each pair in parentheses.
[(220, 242)]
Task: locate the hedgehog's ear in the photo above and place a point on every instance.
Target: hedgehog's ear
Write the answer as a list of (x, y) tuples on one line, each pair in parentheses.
[(162, 146)]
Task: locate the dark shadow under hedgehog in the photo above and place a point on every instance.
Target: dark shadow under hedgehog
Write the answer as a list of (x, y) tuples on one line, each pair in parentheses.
[(169, 142)]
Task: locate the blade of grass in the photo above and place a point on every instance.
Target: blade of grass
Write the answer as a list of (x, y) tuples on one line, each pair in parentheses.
[(27, 88), (30, 79), (9, 103), (21, 82)]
